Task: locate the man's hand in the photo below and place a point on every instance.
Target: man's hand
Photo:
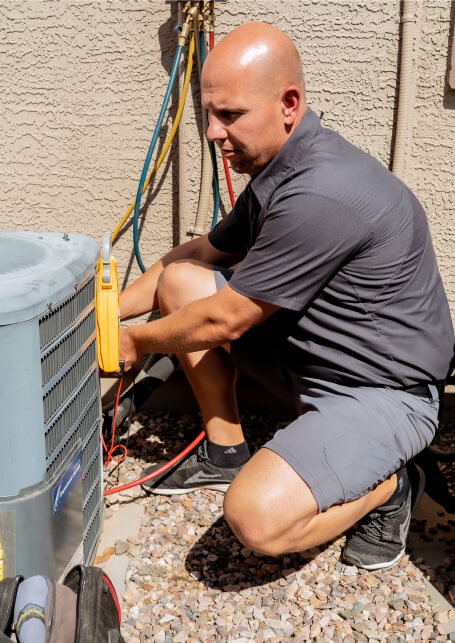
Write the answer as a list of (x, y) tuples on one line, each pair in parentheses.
[(128, 349)]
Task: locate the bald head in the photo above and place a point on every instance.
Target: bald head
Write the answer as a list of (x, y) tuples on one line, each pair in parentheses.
[(265, 54), (252, 87)]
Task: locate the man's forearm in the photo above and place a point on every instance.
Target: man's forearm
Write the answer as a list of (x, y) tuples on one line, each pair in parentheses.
[(189, 329), (200, 325)]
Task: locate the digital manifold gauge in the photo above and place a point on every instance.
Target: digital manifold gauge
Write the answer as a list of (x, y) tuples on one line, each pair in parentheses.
[(107, 309)]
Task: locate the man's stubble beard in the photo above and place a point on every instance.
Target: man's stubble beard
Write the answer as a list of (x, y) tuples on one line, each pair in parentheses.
[(246, 166)]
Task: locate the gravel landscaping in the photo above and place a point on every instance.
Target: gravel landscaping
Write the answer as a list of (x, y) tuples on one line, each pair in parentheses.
[(190, 580)]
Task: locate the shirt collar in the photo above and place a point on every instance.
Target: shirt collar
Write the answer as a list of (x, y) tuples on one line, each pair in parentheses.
[(265, 183)]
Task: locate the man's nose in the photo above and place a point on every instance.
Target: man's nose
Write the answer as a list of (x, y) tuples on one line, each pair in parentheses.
[(216, 131)]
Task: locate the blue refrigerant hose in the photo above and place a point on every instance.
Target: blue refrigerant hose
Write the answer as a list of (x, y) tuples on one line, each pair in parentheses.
[(216, 188), (149, 156)]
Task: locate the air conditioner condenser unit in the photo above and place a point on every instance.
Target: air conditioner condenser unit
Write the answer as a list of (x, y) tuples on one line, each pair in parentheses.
[(51, 496)]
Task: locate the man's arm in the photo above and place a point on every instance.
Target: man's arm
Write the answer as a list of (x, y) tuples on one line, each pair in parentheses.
[(140, 297), (202, 324)]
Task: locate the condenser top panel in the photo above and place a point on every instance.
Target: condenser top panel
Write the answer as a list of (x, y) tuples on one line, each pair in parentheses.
[(38, 269)]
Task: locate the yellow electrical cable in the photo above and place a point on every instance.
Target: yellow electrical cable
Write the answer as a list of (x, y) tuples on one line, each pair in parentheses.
[(169, 140)]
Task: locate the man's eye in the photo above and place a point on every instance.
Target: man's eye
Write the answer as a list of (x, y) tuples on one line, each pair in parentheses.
[(229, 115)]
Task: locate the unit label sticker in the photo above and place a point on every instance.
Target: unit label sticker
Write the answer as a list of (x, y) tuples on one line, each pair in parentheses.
[(66, 483)]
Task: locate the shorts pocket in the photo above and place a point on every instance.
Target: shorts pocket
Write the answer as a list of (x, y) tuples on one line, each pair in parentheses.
[(360, 461)]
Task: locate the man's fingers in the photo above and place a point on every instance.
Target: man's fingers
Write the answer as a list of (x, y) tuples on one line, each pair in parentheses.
[(128, 352)]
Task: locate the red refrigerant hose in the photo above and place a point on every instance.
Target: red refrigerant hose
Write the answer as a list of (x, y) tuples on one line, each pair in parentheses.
[(159, 471)]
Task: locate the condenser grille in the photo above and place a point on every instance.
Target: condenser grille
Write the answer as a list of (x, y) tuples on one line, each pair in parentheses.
[(63, 423), (91, 473), (71, 399), (92, 444), (65, 314), (67, 347), (87, 426), (92, 501), (91, 535), (68, 382)]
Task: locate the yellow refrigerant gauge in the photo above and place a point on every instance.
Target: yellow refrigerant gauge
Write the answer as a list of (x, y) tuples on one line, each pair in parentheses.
[(107, 309)]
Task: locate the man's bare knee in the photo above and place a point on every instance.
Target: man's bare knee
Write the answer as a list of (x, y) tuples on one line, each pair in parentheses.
[(254, 522), (182, 282), (250, 527)]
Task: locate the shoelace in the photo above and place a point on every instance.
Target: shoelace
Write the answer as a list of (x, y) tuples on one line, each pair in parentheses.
[(201, 453), (374, 527)]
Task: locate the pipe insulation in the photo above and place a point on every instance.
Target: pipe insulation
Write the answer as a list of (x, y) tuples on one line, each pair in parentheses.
[(200, 225), (403, 128)]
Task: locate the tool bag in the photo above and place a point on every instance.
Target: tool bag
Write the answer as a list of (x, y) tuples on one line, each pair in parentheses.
[(84, 608)]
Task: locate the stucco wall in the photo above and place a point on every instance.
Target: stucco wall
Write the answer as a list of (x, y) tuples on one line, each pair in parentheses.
[(82, 83), (431, 162)]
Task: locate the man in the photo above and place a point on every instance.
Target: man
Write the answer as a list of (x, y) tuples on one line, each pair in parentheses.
[(336, 301)]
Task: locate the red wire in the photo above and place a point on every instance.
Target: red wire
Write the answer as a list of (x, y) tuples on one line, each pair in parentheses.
[(229, 182), (149, 476), (159, 471), (225, 163), (117, 446)]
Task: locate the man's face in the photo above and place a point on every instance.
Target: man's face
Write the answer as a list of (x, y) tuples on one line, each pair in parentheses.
[(245, 119)]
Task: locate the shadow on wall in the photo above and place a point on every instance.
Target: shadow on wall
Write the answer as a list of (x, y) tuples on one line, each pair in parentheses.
[(448, 100), (397, 92)]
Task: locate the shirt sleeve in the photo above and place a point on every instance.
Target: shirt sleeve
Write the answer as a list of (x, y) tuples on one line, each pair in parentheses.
[(232, 234), (304, 240)]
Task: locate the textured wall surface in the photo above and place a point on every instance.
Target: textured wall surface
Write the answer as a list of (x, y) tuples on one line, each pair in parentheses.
[(430, 169), (82, 83)]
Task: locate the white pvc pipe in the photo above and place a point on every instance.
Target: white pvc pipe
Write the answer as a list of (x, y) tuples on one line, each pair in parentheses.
[(405, 96)]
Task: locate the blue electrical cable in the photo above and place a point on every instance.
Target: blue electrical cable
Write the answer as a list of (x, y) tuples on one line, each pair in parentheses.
[(149, 156), (216, 185)]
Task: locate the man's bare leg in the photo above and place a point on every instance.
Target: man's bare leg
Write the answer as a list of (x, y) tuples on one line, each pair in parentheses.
[(273, 511), (268, 505), (211, 377)]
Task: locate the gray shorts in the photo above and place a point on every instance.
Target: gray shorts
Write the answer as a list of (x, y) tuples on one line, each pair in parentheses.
[(345, 440)]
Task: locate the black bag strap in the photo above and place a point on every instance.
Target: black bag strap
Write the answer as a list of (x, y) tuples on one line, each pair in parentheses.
[(97, 610), (8, 591)]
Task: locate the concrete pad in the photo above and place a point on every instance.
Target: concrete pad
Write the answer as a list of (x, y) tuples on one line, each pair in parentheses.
[(436, 551), (438, 599), (124, 523)]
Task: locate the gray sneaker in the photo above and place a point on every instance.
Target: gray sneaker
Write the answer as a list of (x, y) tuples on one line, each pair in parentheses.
[(380, 538), (196, 471)]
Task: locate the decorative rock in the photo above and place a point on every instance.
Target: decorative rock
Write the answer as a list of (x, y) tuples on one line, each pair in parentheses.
[(358, 606), (121, 547), (315, 630), (167, 618), (190, 581), (442, 616)]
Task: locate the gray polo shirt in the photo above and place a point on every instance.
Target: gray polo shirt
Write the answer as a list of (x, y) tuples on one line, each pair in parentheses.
[(343, 247)]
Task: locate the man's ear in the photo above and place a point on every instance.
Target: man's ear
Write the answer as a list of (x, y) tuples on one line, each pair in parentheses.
[(290, 104)]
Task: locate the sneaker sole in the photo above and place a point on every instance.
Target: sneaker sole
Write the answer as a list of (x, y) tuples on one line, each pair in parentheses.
[(384, 565), (175, 492)]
